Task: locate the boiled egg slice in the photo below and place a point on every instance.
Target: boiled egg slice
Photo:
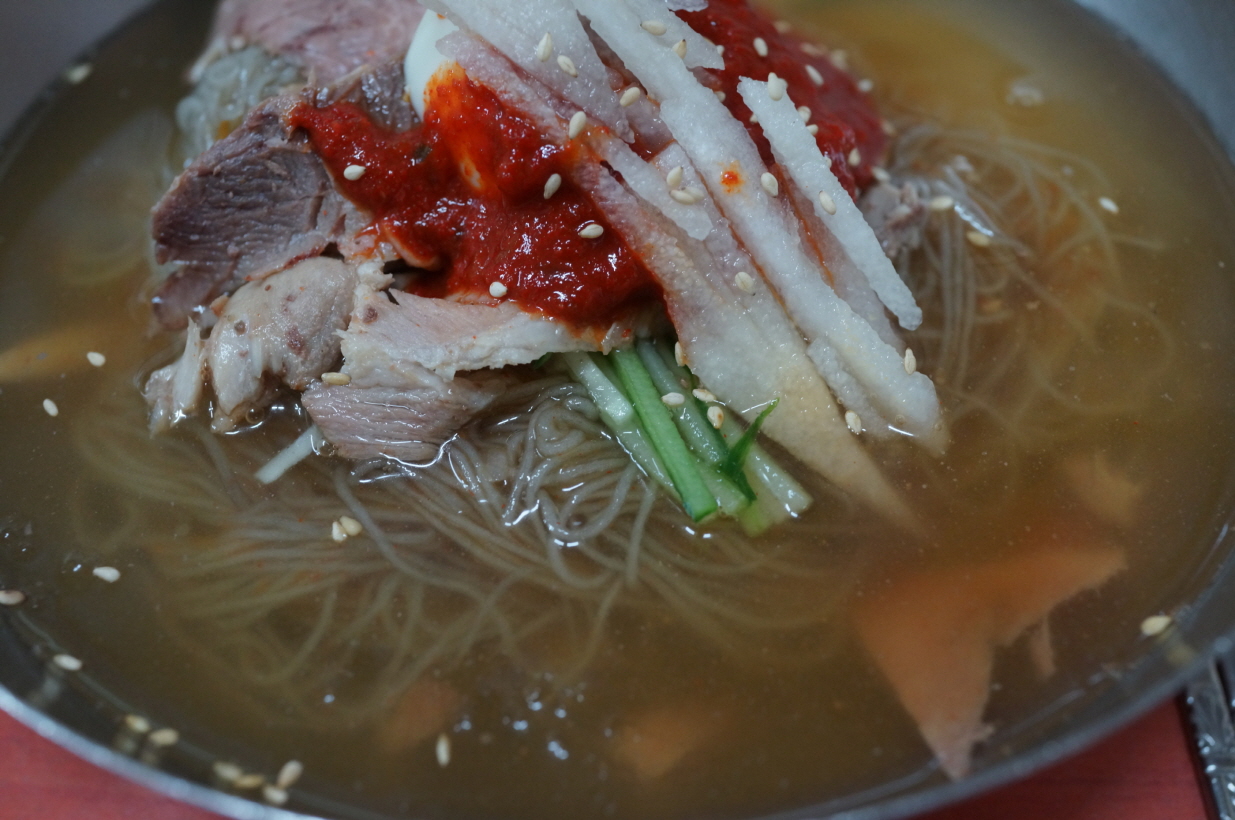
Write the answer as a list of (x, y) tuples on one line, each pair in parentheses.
[(423, 60)]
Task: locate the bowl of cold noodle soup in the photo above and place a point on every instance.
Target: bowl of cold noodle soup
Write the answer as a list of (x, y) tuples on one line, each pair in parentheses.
[(476, 413)]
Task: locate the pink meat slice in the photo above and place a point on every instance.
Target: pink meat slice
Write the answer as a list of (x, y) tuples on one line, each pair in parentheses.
[(251, 205), (393, 329), (283, 330), (329, 38), (408, 424), (260, 199), (934, 634)]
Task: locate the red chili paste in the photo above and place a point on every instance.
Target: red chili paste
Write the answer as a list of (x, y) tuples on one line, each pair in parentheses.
[(463, 196), (845, 116)]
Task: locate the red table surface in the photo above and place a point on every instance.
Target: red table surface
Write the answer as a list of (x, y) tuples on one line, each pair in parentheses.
[(1142, 773)]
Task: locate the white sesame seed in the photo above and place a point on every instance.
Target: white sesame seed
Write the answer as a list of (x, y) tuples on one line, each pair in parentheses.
[(866, 85), (67, 663), (829, 204), (567, 65), (96, 359), (289, 774), (442, 750), (78, 73), (544, 49), (840, 59), (782, 26), (350, 526), (881, 174), (274, 795), (813, 73), (703, 395), (654, 27), (688, 196), (813, 50), (497, 290), (754, 118), (51, 408), (1155, 625), (1025, 93), (761, 47), (592, 231), (769, 183), (804, 113), (679, 354), (744, 281), (136, 724), (855, 157), (11, 597), (577, 123), (978, 239), (109, 574), (337, 533), (813, 129), (673, 399), (227, 771), (252, 780), (776, 87), (827, 160), (720, 50), (354, 172), (679, 48), (630, 96), (888, 127), (1108, 204), (942, 203), (337, 379), (911, 361), (552, 184), (720, 96), (716, 417), (167, 736), (674, 177), (854, 422)]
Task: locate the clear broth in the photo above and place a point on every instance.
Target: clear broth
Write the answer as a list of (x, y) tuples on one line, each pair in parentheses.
[(792, 733)]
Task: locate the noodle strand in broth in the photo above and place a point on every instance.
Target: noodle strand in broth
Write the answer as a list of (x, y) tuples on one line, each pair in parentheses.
[(534, 518)]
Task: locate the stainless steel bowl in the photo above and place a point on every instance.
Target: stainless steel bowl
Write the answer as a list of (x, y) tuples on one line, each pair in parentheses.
[(1189, 40)]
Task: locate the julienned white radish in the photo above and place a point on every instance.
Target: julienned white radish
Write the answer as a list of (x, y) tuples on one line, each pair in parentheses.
[(699, 52), (717, 143), (648, 182), (516, 29), (798, 154), (309, 442), (746, 361)]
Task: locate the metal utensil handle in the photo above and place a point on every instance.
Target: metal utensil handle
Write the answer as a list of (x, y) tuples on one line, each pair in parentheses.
[(1211, 707)]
